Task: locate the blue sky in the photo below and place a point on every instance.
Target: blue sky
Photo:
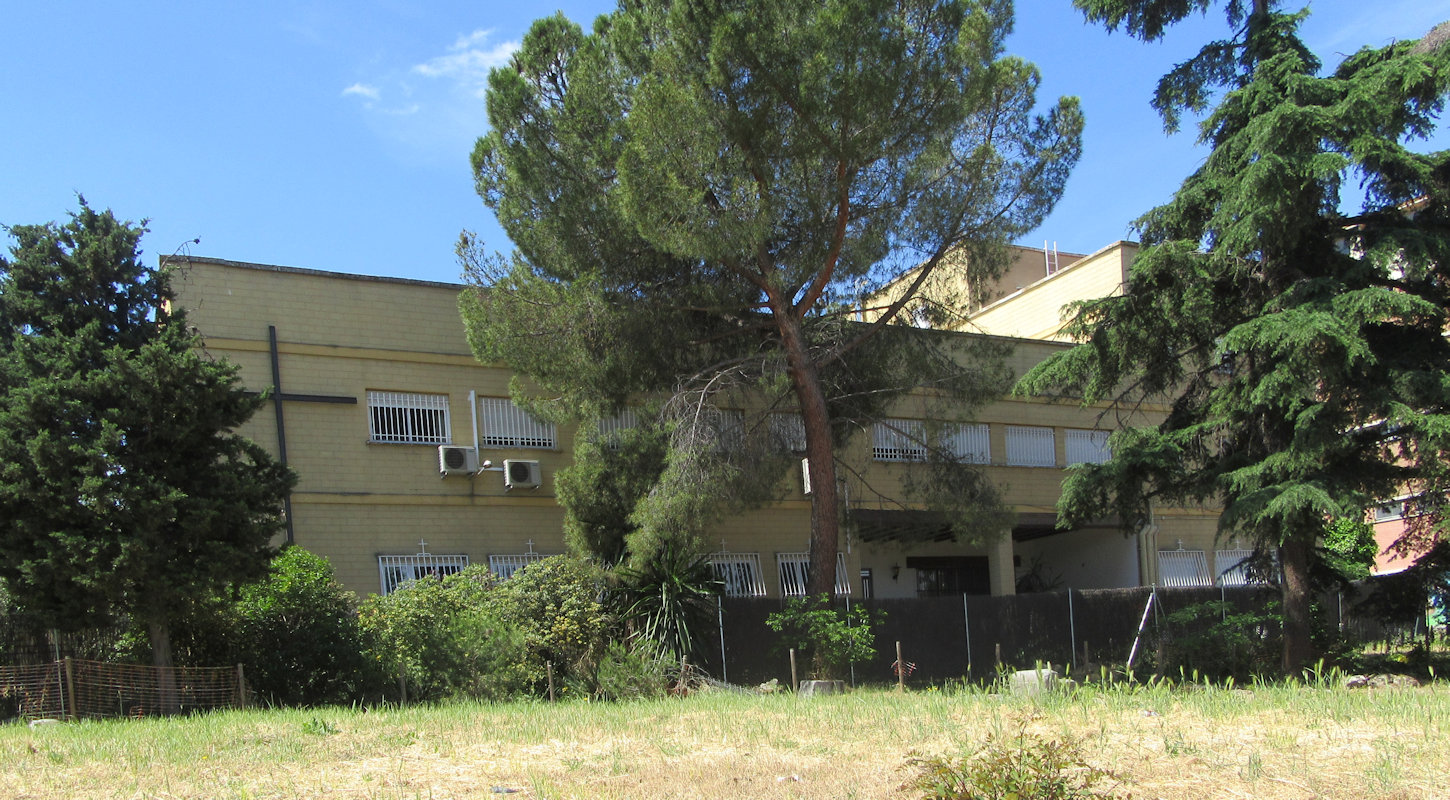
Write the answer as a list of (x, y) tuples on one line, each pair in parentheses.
[(335, 135)]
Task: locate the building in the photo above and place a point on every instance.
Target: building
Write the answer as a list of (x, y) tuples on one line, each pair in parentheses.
[(412, 459)]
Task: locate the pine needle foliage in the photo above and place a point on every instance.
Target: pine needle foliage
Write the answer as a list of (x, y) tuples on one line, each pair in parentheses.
[(699, 193), (1299, 347)]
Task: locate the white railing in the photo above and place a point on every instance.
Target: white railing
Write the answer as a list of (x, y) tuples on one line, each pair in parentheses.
[(1180, 568), (792, 568), (1030, 446), (739, 573), (1086, 447), (507, 425), (898, 440), (395, 571), (971, 443), (408, 418), (504, 566)]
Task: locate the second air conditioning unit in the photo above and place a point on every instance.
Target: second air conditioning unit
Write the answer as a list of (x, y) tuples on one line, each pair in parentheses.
[(455, 460), (521, 474)]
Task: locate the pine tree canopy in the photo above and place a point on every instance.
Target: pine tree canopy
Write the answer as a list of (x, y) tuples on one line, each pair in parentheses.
[(700, 192), (123, 486), (1300, 347)]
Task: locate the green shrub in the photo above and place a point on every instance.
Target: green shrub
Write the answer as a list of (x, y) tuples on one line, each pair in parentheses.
[(1022, 766), (833, 638), (298, 635), (555, 607), (1217, 641), (446, 638), (631, 672)]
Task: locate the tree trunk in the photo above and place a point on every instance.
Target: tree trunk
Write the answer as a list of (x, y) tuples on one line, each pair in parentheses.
[(165, 672), (1298, 647), (821, 462)]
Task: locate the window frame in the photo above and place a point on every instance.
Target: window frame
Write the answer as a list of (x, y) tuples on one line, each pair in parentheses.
[(503, 425), (395, 417)]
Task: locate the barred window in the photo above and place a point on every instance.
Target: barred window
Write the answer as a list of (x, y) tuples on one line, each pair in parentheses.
[(396, 571), (1230, 566), (739, 573), (1183, 568), (970, 443), (610, 428), (506, 425), (794, 568), (505, 566), (408, 418), (1086, 447), (788, 432), (1030, 446), (898, 440)]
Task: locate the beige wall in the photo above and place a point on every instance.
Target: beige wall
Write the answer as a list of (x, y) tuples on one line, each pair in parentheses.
[(343, 335)]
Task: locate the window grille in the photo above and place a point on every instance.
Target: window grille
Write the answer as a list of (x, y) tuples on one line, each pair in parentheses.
[(1030, 446), (739, 573), (898, 440), (506, 425), (1183, 568), (395, 571), (788, 432), (408, 418), (970, 443), (1086, 447), (1392, 510), (626, 419), (1229, 566), (730, 429), (504, 566), (793, 567)]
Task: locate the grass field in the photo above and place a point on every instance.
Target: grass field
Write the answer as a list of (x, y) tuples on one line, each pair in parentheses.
[(1262, 742)]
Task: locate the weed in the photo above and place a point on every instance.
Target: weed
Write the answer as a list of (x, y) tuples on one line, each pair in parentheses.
[(318, 726), (1018, 765)]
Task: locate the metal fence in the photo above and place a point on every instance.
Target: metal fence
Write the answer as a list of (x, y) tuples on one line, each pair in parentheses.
[(74, 689), (950, 638)]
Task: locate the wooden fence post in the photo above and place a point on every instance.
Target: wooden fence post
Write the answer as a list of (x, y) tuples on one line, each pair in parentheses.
[(549, 666), (900, 669), (795, 683), (241, 687), (70, 690)]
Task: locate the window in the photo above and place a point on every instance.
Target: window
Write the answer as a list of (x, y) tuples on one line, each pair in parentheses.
[(950, 576), (1030, 446), (504, 566), (506, 425), (898, 440), (793, 567), (395, 571), (1395, 509), (970, 443), (1183, 568), (610, 428), (788, 432), (1086, 447), (739, 572), (408, 418), (1229, 567)]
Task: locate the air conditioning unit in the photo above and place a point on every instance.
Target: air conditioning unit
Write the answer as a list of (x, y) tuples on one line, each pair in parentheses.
[(455, 460), (805, 476), (521, 474)]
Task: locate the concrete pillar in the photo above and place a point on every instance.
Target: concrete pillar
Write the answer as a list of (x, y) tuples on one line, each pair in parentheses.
[(1003, 574)]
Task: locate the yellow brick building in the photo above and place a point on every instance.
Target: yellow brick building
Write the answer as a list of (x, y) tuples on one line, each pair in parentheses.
[(389, 422)]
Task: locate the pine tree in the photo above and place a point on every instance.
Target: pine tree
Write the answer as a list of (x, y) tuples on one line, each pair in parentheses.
[(123, 487), (1301, 349), (698, 193)]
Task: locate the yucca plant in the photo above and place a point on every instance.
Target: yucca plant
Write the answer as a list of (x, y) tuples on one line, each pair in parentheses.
[(669, 598)]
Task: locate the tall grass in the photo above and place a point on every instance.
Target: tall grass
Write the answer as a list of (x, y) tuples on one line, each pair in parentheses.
[(1259, 741)]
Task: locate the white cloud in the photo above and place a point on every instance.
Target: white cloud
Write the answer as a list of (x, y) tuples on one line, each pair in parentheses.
[(468, 61), (363, 90)]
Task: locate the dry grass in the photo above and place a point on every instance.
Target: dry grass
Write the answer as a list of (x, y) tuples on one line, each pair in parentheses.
[(1262, 743)]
